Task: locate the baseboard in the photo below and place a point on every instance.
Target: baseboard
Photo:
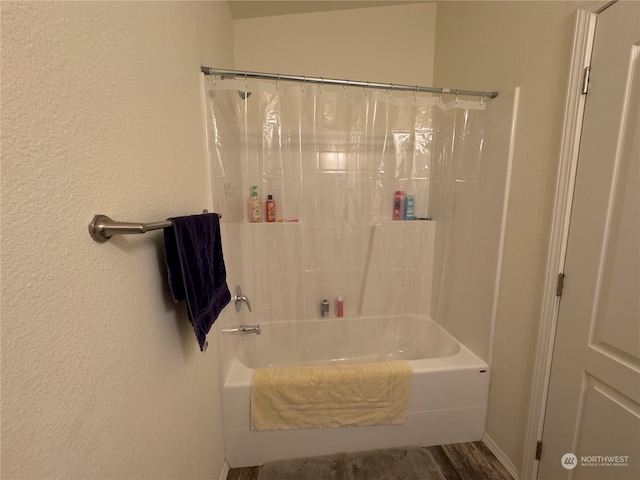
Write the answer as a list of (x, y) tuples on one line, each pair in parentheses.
[(225, 471), (500, 455)]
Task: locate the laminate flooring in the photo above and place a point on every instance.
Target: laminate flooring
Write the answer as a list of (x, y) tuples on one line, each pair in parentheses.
[(460, 461)]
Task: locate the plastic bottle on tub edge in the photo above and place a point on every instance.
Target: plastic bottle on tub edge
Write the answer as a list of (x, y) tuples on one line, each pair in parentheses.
[(324, 308), (339, 306)]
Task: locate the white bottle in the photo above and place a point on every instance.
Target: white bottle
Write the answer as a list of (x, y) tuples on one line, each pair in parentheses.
[(255, 206)]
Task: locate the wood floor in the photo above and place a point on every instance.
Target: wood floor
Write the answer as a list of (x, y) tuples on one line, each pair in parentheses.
[(462, 461)]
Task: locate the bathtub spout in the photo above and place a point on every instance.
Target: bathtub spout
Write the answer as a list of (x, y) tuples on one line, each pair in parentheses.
[(243, 329)]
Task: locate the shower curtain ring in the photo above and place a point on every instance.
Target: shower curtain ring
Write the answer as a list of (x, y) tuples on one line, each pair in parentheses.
[(415, 94), (304, 79), (321, 84), (278, 83), (391, 90)]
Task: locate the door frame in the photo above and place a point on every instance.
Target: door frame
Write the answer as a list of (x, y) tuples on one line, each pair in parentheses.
[(584, 35)]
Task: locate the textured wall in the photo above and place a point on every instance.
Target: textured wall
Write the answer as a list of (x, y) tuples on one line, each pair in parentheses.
[(101, 373), (382, 44), (498, 46)]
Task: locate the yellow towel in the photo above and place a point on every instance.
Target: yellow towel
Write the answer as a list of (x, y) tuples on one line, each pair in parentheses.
[(330, 396)]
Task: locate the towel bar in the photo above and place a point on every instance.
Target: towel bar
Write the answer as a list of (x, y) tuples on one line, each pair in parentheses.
[(102, 228)]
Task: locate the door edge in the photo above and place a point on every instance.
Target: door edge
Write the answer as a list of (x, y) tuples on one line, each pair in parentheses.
[(584, 34)]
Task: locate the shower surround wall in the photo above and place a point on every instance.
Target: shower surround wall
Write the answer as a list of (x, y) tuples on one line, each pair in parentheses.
[(469, 203), (332, 159)]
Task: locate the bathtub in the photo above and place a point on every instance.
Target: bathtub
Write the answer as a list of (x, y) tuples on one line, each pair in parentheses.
[(447, 404)]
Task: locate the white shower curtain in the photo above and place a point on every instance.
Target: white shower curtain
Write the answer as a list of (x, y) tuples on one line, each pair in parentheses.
[(332, 158)]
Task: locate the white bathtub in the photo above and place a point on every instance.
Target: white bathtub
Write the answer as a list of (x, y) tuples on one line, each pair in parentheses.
[(448, 400)]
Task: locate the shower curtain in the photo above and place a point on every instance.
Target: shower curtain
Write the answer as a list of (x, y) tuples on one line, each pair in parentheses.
[(332, 159)]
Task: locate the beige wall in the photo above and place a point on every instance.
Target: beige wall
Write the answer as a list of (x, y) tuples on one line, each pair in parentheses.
[(385, 44), (501, 45), (101, 374)]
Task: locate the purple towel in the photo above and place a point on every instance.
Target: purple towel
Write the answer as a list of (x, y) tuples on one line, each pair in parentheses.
[(195, 265)]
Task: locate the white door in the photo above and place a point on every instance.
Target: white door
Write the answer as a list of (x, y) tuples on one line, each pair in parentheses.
[(592, 421)]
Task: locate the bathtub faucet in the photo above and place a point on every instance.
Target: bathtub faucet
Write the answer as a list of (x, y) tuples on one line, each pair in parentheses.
[(243, 329)]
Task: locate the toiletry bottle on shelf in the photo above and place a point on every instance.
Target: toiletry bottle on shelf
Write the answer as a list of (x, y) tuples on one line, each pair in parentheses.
[(324, 308), (398, 205), (255, 207), (409, 201), (339, 306), (271, 209)]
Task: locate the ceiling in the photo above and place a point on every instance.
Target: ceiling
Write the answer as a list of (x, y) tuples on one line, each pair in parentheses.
[(241, 9)]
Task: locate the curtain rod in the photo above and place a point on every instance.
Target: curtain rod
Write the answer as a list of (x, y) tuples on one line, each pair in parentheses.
[(346, 83)]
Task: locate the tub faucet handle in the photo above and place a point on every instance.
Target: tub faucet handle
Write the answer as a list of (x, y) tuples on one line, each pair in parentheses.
[(239, 298)]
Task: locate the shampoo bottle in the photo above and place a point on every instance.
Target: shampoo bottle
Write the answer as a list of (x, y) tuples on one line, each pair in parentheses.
[(255, 208), (271, 209), (409, 201), (398, 205)]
